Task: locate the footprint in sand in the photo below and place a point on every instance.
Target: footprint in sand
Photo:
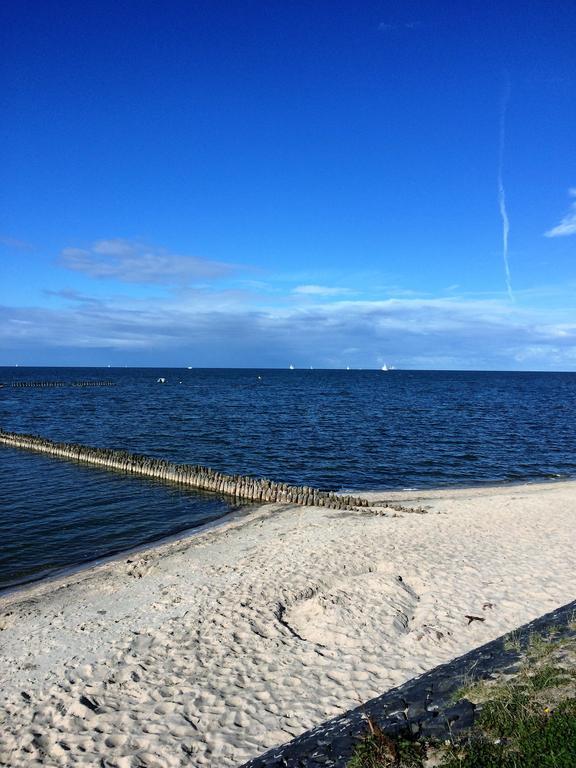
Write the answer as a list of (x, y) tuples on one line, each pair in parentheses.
[(351, 612), (138, 568)]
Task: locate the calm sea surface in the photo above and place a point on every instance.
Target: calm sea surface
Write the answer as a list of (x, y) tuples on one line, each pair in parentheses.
[(331, 429)]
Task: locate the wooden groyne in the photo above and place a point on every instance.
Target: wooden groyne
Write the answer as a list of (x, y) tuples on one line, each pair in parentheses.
[(201, 478), (48, 384)]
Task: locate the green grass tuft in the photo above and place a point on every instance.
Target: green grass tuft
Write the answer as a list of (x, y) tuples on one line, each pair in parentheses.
[(377, 750), (549, 676), (528, 721)]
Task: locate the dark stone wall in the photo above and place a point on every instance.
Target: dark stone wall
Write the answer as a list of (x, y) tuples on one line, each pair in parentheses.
[(423, 706)]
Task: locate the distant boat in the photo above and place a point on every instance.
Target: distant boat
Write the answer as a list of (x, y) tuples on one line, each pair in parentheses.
[(347, 367), (387, 367), (291, 367), (161, 380), (189, 367)]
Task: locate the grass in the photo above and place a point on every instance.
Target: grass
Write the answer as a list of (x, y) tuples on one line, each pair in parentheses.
[(377, 750), (512, 641), (549, 676), (527, 721), (527, 738)]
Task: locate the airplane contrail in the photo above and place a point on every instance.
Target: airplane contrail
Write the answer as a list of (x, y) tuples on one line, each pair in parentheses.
[(501, 191)]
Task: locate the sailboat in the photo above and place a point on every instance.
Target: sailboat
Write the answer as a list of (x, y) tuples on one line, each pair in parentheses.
[(387, 367), (291, 367)]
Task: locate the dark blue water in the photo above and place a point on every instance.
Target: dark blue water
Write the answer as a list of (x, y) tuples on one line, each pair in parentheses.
[(331, 429)]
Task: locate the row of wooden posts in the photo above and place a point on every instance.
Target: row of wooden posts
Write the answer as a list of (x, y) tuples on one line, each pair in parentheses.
[(194, 476), (60, 384)]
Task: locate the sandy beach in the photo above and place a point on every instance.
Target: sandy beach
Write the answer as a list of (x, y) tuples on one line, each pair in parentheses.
[(209, 650)]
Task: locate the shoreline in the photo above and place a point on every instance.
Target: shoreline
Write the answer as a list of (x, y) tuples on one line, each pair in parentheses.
[(75, 574), (65, 573), (215, 647)]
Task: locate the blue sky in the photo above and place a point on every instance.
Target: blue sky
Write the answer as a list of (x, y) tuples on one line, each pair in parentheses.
[(265, 183)]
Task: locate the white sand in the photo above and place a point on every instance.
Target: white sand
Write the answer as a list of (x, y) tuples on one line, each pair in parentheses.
[(207, 651)]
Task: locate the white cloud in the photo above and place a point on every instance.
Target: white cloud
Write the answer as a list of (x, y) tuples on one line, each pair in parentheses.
[(568, 224), (114, 247), (15, 244), (320, 290), (133, 262), (220, 330)]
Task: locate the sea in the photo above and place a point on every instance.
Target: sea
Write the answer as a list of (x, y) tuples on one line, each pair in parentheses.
[(333, 429)]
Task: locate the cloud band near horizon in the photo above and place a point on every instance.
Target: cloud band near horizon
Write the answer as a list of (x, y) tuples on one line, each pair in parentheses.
[(409, 333)]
